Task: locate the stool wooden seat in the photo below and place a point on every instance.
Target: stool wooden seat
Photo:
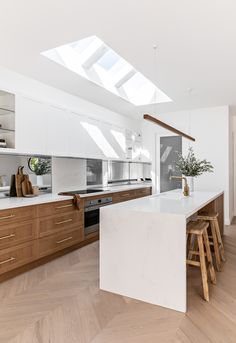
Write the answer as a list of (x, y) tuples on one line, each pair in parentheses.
[(197, 232), (214, 237)]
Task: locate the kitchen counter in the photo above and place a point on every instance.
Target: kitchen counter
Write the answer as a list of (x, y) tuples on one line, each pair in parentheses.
[(116, 189), (173, 202), (143, 246), (12, 202)]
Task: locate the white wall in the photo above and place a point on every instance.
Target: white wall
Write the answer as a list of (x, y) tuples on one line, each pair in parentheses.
[(210, 128)]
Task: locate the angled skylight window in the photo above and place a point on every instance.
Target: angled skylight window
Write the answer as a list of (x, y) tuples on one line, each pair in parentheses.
[(92, 59)]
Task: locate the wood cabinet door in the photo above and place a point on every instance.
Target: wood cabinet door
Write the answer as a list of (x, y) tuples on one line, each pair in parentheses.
[(53, 243)]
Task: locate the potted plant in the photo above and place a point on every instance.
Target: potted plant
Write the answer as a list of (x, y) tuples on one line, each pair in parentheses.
[(192, 167), (40, 166)]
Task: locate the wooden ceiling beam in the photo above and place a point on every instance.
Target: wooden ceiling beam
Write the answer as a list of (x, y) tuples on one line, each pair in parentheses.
[(167, 127)]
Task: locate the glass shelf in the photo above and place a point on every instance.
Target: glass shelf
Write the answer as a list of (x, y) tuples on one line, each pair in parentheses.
[(2, 130), (5, 111)]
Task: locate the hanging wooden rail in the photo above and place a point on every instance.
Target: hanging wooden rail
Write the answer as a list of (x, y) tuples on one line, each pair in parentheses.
[(166, 126)]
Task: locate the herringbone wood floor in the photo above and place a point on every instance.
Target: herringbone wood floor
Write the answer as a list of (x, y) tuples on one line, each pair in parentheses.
[(60, 302)]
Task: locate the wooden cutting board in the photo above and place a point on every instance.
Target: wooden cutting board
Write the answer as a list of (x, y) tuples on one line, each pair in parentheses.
[(26, 186), (19, 179)]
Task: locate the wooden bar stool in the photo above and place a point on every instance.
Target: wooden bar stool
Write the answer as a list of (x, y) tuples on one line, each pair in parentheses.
[(214, 237), (197, 232)]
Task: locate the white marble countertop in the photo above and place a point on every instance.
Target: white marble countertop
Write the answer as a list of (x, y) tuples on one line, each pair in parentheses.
[(7, 202), (172, 202), (40, 199)]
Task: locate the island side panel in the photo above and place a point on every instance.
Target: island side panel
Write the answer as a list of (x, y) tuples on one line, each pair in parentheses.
[(217, 205), (143, 256)]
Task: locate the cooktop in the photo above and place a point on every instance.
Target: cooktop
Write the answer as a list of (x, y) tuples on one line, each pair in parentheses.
[(84, 191)]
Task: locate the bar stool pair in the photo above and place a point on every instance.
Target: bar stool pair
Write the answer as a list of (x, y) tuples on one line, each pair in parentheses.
[(201, 236)]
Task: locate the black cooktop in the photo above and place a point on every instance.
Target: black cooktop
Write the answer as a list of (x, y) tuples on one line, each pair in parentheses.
[(84, 191)]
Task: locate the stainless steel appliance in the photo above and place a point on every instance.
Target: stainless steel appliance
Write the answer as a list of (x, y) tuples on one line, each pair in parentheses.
[(91, 214)]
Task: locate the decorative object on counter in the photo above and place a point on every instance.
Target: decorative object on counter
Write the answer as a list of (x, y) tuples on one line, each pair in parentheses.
[(3, 143), (21, 185), (39, 166), (192, 167), (36, 190)]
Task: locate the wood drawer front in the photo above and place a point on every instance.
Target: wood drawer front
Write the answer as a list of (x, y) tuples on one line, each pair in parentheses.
[(15, 257), (123, 196), (14, 215), (49, 245), (54, 224), (13, 234), (143, 192), (57, 207)]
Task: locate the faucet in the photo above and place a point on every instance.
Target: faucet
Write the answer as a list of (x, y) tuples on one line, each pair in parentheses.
[(186, 187)]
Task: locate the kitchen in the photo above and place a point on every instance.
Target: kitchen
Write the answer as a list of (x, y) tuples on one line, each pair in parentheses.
[(117, 197)]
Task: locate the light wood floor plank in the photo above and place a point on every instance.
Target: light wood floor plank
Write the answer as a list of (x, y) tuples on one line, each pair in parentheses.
[(60, 302)]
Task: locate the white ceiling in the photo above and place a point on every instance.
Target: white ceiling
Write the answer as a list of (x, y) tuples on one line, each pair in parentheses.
[(196, 46)]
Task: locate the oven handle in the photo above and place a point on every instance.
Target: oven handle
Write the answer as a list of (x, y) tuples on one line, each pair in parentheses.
[(93, 208)]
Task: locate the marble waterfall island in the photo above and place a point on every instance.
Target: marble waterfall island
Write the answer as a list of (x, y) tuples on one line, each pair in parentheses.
[(143, 246)]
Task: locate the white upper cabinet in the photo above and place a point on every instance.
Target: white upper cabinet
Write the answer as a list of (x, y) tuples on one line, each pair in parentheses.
[(41, 128), (47, 129), (31, 126), (57, 131), (115, 146), (83, 141)]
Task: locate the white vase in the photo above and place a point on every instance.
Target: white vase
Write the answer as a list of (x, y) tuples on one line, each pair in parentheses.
[(39, 180), (190, 181)]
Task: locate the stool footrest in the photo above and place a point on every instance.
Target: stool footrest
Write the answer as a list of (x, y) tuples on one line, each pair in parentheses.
[(193, 263)]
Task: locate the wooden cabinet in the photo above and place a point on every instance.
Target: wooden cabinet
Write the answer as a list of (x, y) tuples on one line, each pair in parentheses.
[(51, 244), (14, 215), (14, 257), (53, 208), (131, 194), (17, 233), (28, 234), (62, 222)]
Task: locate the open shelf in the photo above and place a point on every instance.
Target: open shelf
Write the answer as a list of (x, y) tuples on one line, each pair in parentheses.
[(3, 130), (6, 111), (7, 119)]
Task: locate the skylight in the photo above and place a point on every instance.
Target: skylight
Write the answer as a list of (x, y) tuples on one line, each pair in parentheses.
[(92, 59)]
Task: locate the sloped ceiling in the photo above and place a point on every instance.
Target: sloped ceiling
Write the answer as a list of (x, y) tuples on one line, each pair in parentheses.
[(196, 46)]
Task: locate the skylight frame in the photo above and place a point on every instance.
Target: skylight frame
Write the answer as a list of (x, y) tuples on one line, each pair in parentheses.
[(87, 58)]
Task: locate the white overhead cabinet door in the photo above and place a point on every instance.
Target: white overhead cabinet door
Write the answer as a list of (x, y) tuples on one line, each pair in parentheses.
[(115, 138), (58, 131), (31, 126), (83, 138)]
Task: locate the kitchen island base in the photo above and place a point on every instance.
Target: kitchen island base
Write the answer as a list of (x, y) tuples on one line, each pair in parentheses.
[(143, 247)]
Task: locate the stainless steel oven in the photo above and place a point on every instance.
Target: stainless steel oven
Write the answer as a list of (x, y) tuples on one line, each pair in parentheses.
[(91, 214)]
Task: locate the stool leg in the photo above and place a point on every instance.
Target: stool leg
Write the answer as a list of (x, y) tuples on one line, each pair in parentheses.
[(209, 257), (221, 245), (193, 245), (216, 246), (203, 268)]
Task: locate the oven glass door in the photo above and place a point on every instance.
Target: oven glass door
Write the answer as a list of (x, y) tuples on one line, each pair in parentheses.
[(91, 221)]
